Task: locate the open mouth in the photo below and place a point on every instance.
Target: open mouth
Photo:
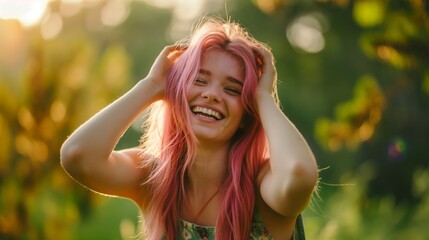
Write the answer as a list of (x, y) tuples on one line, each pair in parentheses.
[(207, 113)]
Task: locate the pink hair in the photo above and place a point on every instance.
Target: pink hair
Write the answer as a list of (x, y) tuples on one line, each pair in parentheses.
[(169, 138)]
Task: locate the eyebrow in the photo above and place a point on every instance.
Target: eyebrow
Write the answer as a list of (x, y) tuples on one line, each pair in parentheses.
[(229, 78)]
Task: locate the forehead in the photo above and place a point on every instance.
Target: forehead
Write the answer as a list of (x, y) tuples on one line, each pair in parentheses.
[(222, 62)]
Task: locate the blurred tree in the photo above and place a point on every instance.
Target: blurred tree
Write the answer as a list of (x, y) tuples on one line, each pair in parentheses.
[(44, 97), (381, 48)]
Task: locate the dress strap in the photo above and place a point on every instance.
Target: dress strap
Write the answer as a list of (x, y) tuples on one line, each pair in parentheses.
[(299, 233), (258, 230)]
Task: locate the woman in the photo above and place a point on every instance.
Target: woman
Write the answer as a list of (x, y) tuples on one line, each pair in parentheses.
[(219, 160)]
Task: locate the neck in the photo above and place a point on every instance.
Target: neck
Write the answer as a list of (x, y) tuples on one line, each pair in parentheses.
[(206, 176), (209, 168)]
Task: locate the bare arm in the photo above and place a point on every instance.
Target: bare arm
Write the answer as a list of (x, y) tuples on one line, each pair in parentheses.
[(88, 154), (292, 173)]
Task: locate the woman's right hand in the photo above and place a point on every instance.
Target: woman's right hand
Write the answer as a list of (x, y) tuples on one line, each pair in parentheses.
[(160, 68)]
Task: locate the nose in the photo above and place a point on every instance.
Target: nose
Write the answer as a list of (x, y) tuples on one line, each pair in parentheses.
[(212, 94)]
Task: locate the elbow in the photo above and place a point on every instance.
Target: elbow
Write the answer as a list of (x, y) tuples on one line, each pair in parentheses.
[(305, 174), (70, 159)]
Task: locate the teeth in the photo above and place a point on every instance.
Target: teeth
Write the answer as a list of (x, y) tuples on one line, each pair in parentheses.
[(208, 112)]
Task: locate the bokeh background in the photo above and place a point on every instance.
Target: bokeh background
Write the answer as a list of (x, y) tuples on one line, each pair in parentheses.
[(354, 78)]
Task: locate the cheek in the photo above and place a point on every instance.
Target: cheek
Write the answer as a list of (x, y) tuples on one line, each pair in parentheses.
[(238, 111), (190, 94)]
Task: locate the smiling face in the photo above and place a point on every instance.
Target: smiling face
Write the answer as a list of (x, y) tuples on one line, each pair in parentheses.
[(215, 97)]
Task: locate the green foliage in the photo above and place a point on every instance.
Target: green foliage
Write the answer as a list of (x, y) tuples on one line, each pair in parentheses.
[(355, 120), (350, 214)]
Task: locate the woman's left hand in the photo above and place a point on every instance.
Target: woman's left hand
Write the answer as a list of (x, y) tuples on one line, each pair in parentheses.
[(269, 73)]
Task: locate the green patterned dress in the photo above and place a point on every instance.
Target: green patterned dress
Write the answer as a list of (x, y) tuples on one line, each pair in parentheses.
[(191, 231)]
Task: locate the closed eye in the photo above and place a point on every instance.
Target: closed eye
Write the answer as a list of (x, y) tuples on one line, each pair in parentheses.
[(200, 82), (233, 91)]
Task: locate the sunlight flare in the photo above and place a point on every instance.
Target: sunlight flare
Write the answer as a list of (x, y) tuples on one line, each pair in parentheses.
[(28, 13)]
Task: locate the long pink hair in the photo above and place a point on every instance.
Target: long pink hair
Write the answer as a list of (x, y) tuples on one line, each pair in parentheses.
[(171, 142)]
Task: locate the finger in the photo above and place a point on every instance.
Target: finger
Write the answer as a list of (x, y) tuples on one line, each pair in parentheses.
[(167, 50), (264, 53), (175, 54), (258, 58), (265, 62)]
